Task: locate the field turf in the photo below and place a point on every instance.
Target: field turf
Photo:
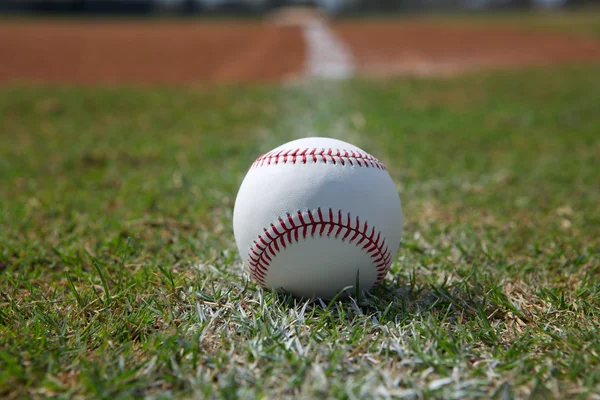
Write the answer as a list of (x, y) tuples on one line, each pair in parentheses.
[(119, 276), (584, 21)]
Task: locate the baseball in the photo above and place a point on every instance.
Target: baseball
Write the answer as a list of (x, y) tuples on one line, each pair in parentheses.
[(315, 216)]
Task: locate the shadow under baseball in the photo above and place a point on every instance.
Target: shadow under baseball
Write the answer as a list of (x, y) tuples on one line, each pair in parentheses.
[(461, 302)]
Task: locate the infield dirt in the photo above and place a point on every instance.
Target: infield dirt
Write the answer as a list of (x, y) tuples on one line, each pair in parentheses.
[(384, 48), (148, 52), (176, 52)]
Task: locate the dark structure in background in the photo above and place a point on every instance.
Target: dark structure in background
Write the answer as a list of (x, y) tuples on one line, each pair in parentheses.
[(98, 7), (250, 7)]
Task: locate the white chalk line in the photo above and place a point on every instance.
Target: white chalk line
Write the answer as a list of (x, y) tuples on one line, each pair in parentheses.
[(327, 56)]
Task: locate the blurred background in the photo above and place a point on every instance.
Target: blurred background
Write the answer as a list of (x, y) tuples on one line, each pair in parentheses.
[(260, 6), (221, 41)]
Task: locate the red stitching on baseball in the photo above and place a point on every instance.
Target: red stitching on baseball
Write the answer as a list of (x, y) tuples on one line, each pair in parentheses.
[(315, 155), (269, 243)]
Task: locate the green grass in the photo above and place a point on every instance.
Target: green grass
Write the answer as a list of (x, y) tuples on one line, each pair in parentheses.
[(584, 21), (119, 276)]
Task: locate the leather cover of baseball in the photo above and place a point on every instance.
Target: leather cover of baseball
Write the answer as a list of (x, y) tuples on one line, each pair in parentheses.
[(316, 215)]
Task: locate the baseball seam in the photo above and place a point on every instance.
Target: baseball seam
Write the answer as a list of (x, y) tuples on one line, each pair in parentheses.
[(275, 239), (315, 155)]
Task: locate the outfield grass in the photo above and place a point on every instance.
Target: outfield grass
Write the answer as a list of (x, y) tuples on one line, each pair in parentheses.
[(576, 22), (119, 276), (583, 21)]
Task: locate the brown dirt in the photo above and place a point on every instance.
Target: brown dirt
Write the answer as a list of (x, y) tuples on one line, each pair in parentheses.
[(386, 48), (159, 52), (294, 16), (148, 52)]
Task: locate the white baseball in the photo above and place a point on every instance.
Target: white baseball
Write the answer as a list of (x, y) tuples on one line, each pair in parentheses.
[(316, 215)]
